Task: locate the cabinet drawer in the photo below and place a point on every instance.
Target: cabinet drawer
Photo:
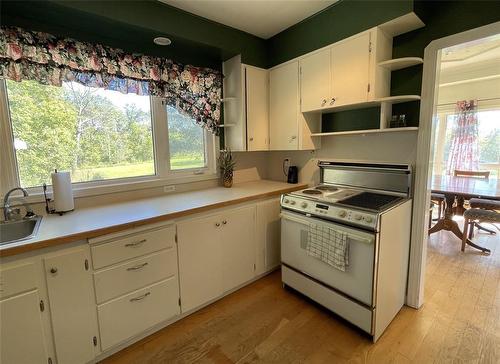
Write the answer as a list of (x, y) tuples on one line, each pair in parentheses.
[(17, 279), (129, 315), (132, 246), (117, 280)]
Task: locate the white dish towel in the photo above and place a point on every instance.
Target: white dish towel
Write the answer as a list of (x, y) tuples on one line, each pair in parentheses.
[(328, 245)]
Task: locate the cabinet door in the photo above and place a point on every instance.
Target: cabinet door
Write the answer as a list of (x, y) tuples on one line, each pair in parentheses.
[(257, 108), (350, 70), (315, 78), (72, 306), (284, 106), (21, 336), (238, 246), (200, 269), (268, 235)]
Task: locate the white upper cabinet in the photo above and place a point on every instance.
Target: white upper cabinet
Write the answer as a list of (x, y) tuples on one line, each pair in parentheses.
[(315, 75), (345, 73), (283, 106), (351, 70), (288, 128), (257, 108), (246, 106)]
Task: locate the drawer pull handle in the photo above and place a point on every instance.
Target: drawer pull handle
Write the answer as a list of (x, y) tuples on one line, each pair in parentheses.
[(53, 270), (137, 267), (140, 297), (136, 243)]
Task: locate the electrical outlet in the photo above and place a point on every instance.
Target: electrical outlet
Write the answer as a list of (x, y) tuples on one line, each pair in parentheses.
[(287, 162), (168, 189)]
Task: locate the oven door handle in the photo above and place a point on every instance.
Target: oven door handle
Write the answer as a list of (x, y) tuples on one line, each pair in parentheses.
[(368, 238)]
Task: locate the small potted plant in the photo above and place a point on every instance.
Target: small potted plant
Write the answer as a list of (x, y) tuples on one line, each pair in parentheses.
[(226, 165)]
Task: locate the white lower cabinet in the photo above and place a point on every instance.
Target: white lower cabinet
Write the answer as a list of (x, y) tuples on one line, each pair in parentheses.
[(268, 229), (22, 336), (130, 315), (137, 284), (238, 247), (218, 253), (72, 305), (200, 260)]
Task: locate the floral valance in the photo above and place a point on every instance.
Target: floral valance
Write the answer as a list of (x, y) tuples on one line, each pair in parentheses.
[(30, 55)]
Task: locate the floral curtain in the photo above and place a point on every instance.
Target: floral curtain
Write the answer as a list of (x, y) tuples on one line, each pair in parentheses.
[(463, 154), (31, 55)]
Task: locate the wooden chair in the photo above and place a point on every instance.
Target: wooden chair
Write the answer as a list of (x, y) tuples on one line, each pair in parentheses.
[(440, 200), (476, 216), (473, 174), (478, 204)]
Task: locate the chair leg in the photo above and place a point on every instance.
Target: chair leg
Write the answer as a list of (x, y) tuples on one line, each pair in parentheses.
[(480, 227), (465, 234), (471, 229)]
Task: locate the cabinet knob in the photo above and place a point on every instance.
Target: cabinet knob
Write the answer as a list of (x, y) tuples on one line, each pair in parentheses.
[(251, 139), (217, 224), (333, 101), (224, 222), (53, 270), (323, 102)]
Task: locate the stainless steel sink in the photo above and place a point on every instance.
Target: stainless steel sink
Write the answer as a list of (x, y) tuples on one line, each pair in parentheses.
[(14, 231)]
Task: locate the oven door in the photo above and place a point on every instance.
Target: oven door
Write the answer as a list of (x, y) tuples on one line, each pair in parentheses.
[(356, 281)]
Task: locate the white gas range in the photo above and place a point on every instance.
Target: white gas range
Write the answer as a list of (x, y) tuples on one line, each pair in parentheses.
[(368, 206)]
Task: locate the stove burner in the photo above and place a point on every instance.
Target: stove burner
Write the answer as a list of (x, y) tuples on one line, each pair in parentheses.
[(312, 192), (372, 201), (327, 188)]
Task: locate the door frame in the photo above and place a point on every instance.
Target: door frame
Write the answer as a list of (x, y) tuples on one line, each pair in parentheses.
[(421, 198)]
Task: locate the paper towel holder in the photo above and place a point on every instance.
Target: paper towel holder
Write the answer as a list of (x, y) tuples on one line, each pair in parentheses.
[(48, 200)]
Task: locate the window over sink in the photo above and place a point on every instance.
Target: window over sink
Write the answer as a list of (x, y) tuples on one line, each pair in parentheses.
[(103, 137)]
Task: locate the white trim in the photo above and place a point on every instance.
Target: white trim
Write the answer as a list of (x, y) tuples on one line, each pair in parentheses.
[(416, 277), (163, 175)]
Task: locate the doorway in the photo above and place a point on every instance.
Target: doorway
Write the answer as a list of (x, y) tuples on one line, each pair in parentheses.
[(444, 64)]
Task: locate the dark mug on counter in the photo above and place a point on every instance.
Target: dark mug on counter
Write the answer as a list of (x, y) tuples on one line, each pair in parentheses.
[(293, 174)]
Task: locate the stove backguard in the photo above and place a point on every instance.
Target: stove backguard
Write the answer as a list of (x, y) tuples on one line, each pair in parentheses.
[(394, 178)]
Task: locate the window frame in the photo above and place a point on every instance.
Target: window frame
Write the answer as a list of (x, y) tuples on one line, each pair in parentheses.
[(164, 176)]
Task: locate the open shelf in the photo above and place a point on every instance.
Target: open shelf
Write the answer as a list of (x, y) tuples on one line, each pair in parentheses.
[(400, 63), (389, 100), (398, 99), (367, 131)]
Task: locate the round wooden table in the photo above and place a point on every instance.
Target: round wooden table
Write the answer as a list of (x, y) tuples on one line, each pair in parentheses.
[(461, 188)]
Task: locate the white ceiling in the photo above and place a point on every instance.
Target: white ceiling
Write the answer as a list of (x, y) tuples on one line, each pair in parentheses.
[(263, 18)]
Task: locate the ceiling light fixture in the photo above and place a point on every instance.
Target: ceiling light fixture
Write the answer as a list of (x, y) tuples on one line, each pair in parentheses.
[(163, 41)]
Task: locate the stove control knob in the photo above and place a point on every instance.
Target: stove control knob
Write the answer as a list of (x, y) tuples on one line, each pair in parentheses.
[(286, 200), (342, 213), (358, 217), (292, 202), (303, 205), (368, 219)]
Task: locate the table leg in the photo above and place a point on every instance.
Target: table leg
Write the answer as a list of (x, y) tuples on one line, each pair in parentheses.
[(447, 223)]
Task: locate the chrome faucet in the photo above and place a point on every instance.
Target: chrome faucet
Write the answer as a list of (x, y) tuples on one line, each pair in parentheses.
[(9, 213)]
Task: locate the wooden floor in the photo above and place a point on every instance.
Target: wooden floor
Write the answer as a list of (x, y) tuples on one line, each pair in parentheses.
[(263, 323)]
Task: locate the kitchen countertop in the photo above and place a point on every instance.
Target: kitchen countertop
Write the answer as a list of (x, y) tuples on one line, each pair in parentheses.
[(91, 222)]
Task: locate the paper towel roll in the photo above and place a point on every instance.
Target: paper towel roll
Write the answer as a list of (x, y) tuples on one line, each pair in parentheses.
[(62, 191)]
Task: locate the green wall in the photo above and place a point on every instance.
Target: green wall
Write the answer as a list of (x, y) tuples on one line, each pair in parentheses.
[(131, 25), (339, 21)]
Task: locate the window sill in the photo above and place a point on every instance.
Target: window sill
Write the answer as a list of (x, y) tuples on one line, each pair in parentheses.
[(36, 195)]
